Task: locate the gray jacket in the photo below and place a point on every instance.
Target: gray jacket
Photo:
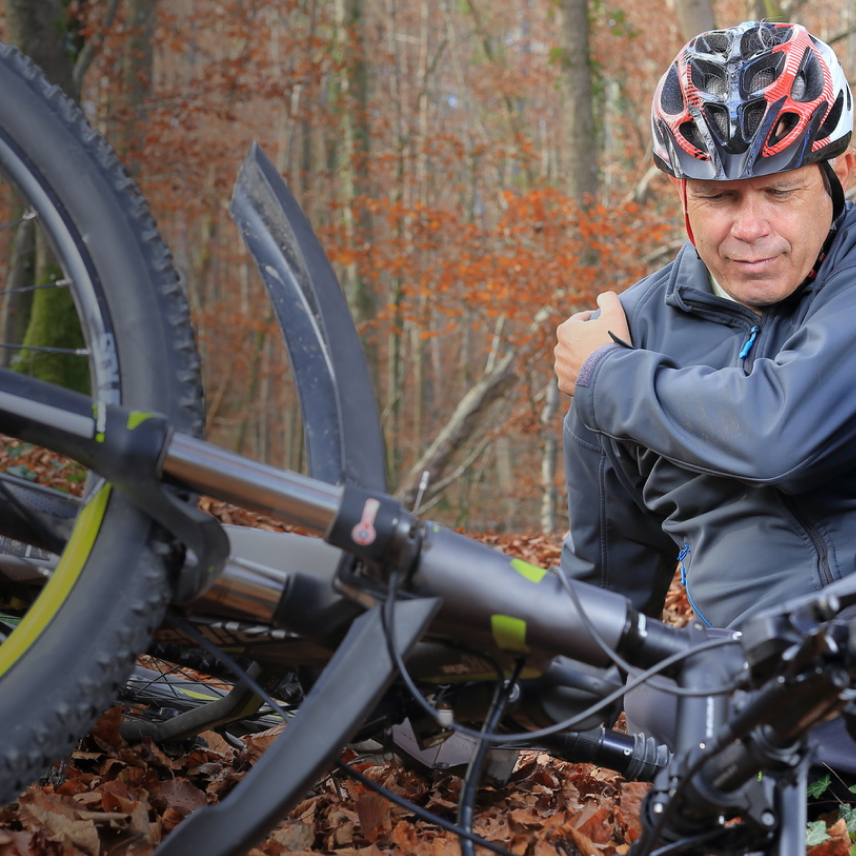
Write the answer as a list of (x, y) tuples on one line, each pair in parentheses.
[(722, 440)]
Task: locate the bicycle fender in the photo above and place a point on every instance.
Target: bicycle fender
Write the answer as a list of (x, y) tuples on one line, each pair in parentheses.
[(344, 439), (348, 690)]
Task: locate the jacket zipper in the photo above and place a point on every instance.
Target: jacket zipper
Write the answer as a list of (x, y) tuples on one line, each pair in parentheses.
[(747, 347), (685, 551), (817, 540)]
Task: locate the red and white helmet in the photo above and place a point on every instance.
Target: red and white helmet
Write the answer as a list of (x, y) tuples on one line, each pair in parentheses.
[(755, 99)]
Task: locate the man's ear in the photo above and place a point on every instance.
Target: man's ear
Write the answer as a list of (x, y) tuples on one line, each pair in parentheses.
[(843, 166)]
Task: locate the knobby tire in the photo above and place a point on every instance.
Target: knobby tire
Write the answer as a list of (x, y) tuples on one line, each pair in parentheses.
[(66, 660)]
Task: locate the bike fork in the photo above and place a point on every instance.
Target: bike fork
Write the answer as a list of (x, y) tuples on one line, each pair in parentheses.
[(348, 690)]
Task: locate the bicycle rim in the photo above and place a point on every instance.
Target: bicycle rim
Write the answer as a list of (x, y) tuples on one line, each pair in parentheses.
[(76, 234)]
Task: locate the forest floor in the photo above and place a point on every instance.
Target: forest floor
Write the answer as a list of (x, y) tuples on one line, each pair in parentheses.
[(109, 798)]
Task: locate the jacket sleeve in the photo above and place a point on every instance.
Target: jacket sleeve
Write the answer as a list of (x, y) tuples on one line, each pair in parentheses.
[(790, 422), (614, 542)]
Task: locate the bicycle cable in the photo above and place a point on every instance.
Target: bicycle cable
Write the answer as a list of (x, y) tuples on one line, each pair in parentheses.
[(619, 661), (426, 815), (529, 736), (422, 813), (501, 697)]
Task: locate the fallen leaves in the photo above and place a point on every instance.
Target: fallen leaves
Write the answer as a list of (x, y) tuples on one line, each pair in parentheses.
[(110, 798), (116, 799)]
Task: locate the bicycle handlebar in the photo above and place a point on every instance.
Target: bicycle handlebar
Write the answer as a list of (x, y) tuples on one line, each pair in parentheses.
[(487, 598)]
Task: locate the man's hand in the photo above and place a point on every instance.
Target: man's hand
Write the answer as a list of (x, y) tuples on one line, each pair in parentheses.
[(580, 336)]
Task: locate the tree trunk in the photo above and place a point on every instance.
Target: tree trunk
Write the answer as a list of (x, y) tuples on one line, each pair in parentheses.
[(694, 17), (354, 126), (38, 28), (581, 166), (770, 9), (137, 63), (550, 450), (458, 429)]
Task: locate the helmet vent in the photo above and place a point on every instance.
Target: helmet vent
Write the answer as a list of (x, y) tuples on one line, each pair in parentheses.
[(832, 118), (714, 42), (753, 115), (808, 83), (762, 78), (671, 98), (715, 84), (709, 78), (717, 118), (691, 134), (763, 73), (762, 38), (787, 122)]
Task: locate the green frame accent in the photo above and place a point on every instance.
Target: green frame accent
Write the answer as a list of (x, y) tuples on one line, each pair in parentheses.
[(531, 572), (509, 633), (137, 417)]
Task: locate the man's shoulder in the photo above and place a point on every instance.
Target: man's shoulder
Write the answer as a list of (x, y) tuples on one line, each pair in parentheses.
[(655, 288), (843, 248)]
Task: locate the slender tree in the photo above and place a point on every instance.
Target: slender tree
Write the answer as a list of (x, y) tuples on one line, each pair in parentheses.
[(696, 16), (581, 164), (137, 63), (44, 317)]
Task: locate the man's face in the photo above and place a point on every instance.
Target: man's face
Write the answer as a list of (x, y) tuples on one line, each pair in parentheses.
[(760, 237)]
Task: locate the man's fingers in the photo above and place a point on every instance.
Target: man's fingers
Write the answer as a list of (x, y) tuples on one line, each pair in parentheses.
[(612, 313), (609, 303)]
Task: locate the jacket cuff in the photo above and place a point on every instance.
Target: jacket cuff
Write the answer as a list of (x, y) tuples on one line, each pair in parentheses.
[(589, 366)]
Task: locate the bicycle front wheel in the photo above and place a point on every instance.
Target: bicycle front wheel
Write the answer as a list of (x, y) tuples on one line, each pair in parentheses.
[(77, 234)]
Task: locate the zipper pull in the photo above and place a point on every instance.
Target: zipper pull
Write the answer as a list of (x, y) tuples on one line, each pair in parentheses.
[(753, 334), (681, 556)]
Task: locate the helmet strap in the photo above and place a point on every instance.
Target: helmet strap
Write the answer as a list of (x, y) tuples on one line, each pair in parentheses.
[(689, 228), (833, 185)]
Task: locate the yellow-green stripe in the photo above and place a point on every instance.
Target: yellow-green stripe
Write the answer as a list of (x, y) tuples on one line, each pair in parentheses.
[(54, 594)]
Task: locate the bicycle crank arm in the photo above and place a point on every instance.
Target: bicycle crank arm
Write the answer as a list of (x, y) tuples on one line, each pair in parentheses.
[(346, 693)]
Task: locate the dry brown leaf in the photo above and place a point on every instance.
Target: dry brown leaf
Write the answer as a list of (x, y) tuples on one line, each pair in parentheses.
[(181, 796), (630, 804), (107, 729), (256, 744), (404, 836), (14, 843), (295, 836), (40, 811), (374, 816), (544, 848), (595, 825), (838, 843)]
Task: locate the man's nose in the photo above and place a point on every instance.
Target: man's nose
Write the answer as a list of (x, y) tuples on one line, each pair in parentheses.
[(751, 219)]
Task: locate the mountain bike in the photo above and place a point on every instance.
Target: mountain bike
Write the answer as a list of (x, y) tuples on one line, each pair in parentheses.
[(385, 617)]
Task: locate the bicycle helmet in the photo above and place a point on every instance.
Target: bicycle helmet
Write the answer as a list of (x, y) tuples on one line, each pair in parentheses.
[(755, 99)]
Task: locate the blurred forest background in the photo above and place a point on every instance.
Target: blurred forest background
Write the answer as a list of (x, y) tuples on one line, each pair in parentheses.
[(477, 170)]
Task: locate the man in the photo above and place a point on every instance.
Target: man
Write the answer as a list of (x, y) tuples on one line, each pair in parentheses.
[(714, 412)]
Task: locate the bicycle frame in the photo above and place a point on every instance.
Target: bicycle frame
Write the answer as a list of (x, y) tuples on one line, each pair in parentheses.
[(794, 665)]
